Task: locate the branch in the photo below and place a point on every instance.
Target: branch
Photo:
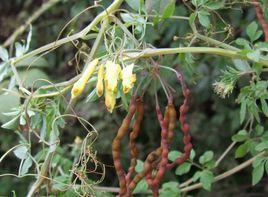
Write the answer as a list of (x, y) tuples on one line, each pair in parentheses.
[(76, 36), (31, 19), (225, 174), (261, 18), (207, 50), (197, 185), (44, 169)]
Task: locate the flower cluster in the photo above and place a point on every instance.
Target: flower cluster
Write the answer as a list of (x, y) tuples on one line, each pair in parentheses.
[(109, 75)]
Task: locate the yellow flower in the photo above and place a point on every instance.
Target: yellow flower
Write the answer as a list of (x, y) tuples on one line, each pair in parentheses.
[(128, 79), (112, 75), (80, 85), (110, 99), (99, 86)]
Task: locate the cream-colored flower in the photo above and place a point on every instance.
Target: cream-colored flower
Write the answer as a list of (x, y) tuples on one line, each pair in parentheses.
[(99, 86), (112, 74), (110, 100), (128, 78), (80, 85)]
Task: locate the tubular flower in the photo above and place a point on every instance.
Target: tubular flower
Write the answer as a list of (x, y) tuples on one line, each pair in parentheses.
[(112, 75), (99, 86), (128, 79), (80, 85), (110, 99)]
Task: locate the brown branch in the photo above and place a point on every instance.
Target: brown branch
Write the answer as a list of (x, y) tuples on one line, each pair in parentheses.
[(260, 16)]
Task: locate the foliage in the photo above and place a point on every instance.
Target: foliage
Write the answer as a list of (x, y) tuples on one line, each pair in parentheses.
[(57, 133)]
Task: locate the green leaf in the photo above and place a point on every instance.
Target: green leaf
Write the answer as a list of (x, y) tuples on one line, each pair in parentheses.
[(183, 168), (20, 50), (215, 5), (242, 150), (255, 55), (173, 155), (264, 107), (170, 189), (60, 182), (92, 96), (33, 78), (257, 174), (27, 163), (259, 130), (252, 31), (8, 101), (203, 17), (139, 166), (4, 71), (12, 124), (241, 136), (135, 4), (169, 9), (196, 176), (206, 157), (266, 166), (258, 161), (241, 65), (3, 54), (192, 154), (207, 179), (192, 19), (197, 3), (21, 152), (141, 187), (262, 146)]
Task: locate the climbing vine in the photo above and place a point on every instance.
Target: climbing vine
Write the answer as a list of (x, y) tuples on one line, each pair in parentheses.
[(117, 67)]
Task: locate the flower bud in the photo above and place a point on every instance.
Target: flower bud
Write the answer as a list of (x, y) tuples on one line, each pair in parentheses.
[(80, 85)]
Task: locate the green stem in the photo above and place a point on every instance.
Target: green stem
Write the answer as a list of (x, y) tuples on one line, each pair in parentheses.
[(207, 50), (216, 42)]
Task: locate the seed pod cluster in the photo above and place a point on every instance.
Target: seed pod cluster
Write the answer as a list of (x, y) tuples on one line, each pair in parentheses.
[(156, 162)]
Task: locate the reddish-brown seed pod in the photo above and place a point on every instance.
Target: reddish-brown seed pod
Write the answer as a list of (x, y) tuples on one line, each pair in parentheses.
[(116, 147), (133, 135), (184, 125)]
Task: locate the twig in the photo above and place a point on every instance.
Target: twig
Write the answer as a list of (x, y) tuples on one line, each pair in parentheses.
[(260, 16), (225, 174), (40, 179), (76, 36), (31, 19), (225, 153)]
